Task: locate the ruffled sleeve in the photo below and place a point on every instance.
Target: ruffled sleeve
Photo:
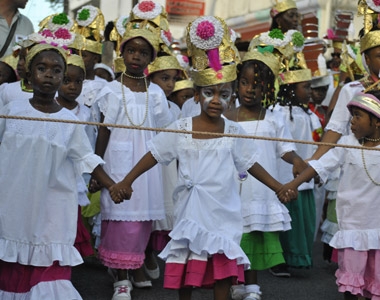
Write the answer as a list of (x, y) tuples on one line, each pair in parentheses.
[(164, 146), (109, 105), (244, 151), (161, 110), (282, 131)]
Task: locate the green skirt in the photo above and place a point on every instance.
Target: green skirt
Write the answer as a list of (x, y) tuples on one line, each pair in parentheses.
[(263, 249), (298, 242)]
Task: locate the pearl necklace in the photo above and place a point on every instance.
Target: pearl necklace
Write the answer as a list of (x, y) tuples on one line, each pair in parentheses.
[(124, 101), (364, 164), (372, 140)]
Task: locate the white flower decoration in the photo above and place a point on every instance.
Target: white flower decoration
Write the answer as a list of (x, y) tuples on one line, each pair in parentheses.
[(54, 27), (166, 37), (121, 23), (374, 5), (266, 39), (147, 10), (206, 33), (183, 61), (233, 35), (351, 52), (93, 14), (39, 38)]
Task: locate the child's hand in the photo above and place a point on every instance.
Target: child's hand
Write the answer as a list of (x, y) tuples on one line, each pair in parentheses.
[(298, 166), (94, 186), (287, 193), (120, 192)]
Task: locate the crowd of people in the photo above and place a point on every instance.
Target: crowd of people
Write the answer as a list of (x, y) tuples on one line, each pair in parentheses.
[(217, 205)]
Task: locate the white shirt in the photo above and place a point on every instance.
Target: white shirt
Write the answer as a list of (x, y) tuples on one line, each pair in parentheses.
[(207, 208), (12, 91), (190, 108), (38, 168), (357, 202)]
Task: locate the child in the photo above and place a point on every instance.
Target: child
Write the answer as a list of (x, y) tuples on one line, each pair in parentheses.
[(297, 243), (183, 91), (264, 216), (204, 248), (39, 221), (8, 65), (357, 200), (131, 101), (104, 71)]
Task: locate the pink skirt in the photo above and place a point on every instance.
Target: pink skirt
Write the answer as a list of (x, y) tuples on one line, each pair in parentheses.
[(83, 238), (359, 272), (16, 278), (159, 239), (123, 243), (202, 273)]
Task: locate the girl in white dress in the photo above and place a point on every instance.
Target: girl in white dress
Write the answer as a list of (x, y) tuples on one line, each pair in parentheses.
[(39, 220), (205, 242), (357, 200)]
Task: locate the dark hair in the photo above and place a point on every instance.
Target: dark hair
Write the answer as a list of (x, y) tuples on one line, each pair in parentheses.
[(107, 31), (13, 76), (274, 24)]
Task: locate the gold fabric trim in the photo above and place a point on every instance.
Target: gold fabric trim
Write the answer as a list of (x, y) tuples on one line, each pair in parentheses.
[(271, 60), (119, 65), (208, 76), (11, 61), (295, 76), (93, 46), (44, 23), (38, 48), (95, 29), (76, 60), (164, 63), (148, 35), (337, 45), (370, 40), (363, 100), (284, 6), (183, 84)]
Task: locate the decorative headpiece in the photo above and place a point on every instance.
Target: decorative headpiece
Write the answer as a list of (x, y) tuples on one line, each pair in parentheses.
[(57, 21), (183, 61), (118, 31), (350, 63), (265, 55), (295, 76), (367, 102), (210, 48), (368, 9), (281, 7), (370, 40), (321, 76), (164, 63), (77, 61), (59, 38), (144, 33), (40, 48), (11, 61), (183, 84)]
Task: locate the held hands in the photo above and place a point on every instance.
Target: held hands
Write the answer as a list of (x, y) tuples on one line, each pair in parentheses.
[(120, 192), (94, 186), (287, 193), (298, 166)]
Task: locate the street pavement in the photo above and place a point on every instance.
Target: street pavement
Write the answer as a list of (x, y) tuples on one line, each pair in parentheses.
[(318, 283)]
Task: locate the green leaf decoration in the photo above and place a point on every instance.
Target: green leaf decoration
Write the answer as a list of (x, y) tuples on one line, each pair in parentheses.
[(354, 49), (276, 34), (269, 48), (61, 19), (298, 39), (84, 14)]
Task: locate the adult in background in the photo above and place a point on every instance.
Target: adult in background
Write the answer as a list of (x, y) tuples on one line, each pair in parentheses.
[(12, 24)]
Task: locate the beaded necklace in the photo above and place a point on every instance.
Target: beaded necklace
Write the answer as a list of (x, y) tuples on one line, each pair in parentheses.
[(124, 101), (364, 164)]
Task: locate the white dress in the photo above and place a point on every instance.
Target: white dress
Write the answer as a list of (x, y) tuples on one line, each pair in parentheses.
[(261, 209), (12, 91), (190, 108), (126, 147), (301, 128), (207, 210), (357, 201), (38, 204)]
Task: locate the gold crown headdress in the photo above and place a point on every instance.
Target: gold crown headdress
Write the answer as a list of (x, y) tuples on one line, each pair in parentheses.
[(164, 63), (183, 84), (11, 61), (210, 49), (36, 49), (77, 61), (57, 21), (367, 102), (282, 6), (117, 33)]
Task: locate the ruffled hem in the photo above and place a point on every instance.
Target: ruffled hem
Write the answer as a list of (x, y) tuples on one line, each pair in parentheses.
[(328, 229), (349, 282), (326, 237), (268, 227), (117, 260), (57, 290), (87, 164), (39, 255), (298, 261), (189, 235), (152, 216), (361, 240)]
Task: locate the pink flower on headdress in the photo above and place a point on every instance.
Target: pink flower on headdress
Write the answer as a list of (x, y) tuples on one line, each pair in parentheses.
[(330, 34), (219, 76), (185, 58), (273, 12), (205, 30), (377, 2), (62, 33), (47, 33), (168, 35), (146, 6)]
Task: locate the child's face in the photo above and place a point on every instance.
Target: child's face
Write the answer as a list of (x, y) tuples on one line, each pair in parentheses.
[(182, 96), (302, 92), (372, 58), (47, 72), (102, 73), (90, 59), (137, 54), (5, 73), (166, 80), (249, 93), (21, 63), (215, 99), (319, 94), (72, 84), (361, 123)]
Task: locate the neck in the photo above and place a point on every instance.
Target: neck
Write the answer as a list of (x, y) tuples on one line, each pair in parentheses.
[(90, 75), (7, 10), (66, 103), (134, 76)]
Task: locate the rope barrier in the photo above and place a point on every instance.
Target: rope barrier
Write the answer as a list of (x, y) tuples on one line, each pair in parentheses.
[(215, 134)]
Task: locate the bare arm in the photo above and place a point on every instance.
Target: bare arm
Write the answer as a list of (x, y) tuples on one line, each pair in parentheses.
[(102, 140), (298, 163), (329, 137), (102, 177)]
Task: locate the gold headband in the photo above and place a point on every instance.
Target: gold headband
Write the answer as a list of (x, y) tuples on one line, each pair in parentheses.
[(337, 45), (93, 46), (40, 48), (11, 61), (267, 58), (146, 34), (295, 76), (366, 102), (76, 60), (281, 7), (208, 76), (370, 40), (183, 84), (164, 63)]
